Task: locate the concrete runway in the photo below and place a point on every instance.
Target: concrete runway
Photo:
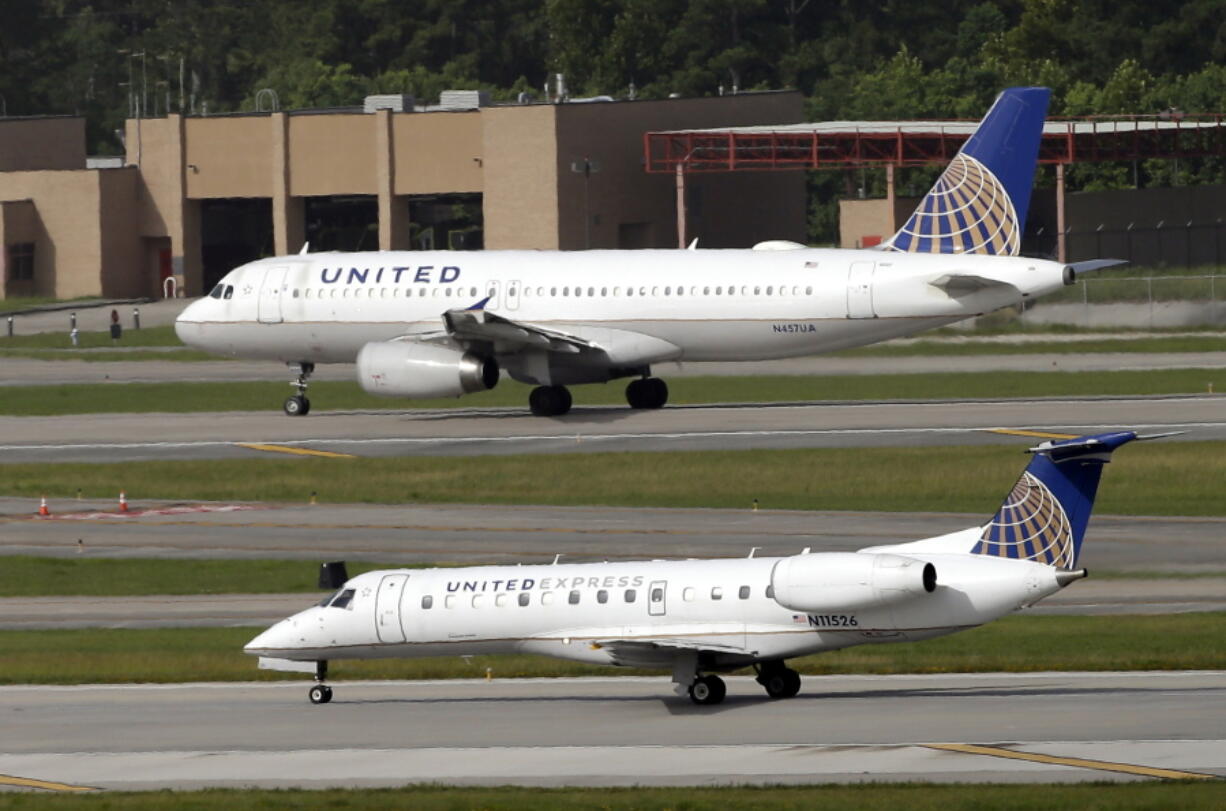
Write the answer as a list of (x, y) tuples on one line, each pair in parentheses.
[(1044, 727), (467, 432)]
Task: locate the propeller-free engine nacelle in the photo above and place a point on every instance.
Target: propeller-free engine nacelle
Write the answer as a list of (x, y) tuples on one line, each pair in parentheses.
[(849, 581), (418, 370)]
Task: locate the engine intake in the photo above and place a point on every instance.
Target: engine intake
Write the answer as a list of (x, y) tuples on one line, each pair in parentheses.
[(422, 371), (846, 581)]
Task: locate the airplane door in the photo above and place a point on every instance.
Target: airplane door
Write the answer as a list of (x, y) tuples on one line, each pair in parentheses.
[(387, 608), (860, 290), (271, 290), (655, 598), (491, 290), (513, 295)]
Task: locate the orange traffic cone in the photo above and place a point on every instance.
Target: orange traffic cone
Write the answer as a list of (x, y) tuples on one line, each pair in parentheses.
[(42, 507), (123, 501)]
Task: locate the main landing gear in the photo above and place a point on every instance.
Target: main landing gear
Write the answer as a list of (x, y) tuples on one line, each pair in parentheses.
[(647, 392), (779, 680), (299, 405), (549, 401), (320, 693), (707, 690)]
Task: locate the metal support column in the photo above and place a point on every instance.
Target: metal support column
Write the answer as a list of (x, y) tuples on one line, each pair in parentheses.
[(680, 206), (1061, 254)]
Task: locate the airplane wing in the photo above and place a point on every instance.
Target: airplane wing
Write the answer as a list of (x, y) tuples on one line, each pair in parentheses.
[(473, 326), (662, 652)]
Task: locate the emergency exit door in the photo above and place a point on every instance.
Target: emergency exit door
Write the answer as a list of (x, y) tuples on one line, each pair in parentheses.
[(387, 608)]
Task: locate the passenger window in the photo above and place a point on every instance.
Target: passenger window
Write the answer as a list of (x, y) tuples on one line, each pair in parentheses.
[(643, 291), (553, 291), (523, 598), (719, 291), (306, 293), (578, 292), (770, 592), (630, 595), (668, 291), (344, 600), (808, 291), (657, 595), (591, 291), (500, 600), (565, 291), (706, 291), (511, 292), (604, 292), (629, 292), (574, 598), (757, 291), (717, 593), (477, 600), (602, 596), (743, 593), (547, 598), (448, 293), (769, 290), (449, 601), (295, 292), (427, 601), (687, 594)]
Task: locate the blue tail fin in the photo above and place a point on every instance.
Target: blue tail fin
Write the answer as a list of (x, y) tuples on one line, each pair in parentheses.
[(979, 203), (1044, 517)]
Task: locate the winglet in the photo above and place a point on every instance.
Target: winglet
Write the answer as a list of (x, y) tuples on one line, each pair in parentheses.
[(480, 305), (306, 248)]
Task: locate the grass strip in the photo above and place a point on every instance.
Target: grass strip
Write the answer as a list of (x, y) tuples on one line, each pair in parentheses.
[(344, 395), (29, 576), (1013, 644), (149, 336), (1171, 478), (1140, 345), (1096, 796), (110, 356)]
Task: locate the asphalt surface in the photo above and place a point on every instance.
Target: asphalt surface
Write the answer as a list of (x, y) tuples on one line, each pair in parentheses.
[(468, 432), (1069, 727)]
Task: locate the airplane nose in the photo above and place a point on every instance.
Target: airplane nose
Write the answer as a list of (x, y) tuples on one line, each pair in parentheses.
[(278, 637)]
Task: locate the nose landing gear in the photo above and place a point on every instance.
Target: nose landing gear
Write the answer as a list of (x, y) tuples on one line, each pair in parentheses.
[(320, 693), (299, 405)]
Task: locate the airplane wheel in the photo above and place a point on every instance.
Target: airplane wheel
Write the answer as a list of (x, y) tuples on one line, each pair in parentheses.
[(781, 683), (648, 392), (550, 401), (320, 694), (297, 406), (708, 690)]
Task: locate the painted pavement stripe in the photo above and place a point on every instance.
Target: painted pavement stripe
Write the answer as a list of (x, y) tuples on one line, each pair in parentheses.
[(1082, 763), (1022, 432), (255, 446), (27, 782)]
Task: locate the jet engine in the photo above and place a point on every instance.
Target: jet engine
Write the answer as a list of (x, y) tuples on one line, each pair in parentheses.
[(847, 581), (422, 371)]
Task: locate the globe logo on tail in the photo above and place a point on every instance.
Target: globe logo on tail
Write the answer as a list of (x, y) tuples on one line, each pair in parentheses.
[(1030, 525), (968, 210)]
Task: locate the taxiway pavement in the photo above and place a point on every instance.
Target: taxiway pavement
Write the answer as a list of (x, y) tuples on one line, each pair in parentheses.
[(466, 432), (1038, 727)]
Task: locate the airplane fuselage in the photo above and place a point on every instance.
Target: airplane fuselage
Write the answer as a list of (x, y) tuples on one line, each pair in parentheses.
[(701, 305)]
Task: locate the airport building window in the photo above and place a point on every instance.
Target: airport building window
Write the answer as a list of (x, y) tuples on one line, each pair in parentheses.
[(602, 596), (717, 593), (523, 598), (449, 601), (687, 594), (574, 598), (427, 601), (630, 595), (21, 261), (743, 593)]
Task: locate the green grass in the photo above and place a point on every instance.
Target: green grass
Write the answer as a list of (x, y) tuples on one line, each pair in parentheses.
[(149, 336), (17, 304), (1212, 342), (1098, 796), (329, 395), (1171, 478), (1011, 644), (28, 576)]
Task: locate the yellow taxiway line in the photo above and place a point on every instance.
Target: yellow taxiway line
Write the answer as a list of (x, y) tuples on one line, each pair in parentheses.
[(1082, 763), (258, 446), (26, 782), (1023, 432)]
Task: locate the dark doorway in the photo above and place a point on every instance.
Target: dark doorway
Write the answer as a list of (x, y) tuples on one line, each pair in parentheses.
[(446, 222), (233, 231), (342, 223)]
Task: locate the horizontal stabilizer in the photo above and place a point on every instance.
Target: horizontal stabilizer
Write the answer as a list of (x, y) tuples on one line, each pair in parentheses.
[(1091, 265)]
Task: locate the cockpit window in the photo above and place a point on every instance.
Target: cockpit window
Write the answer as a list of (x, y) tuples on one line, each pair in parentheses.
[(345, 599), (229, 291), (325, 601), (217, 291)]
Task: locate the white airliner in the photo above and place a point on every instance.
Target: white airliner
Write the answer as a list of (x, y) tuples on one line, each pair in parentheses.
[(444, 324), (700, 617)]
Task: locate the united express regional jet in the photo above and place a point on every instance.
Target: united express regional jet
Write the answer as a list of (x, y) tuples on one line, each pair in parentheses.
[(444, 324), (702, 617)]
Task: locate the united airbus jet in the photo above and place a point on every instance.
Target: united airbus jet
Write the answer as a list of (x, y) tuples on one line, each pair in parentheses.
[(699, 618), (444, 324)]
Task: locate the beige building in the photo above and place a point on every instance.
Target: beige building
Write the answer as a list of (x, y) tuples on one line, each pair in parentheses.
[(195, 196)]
